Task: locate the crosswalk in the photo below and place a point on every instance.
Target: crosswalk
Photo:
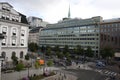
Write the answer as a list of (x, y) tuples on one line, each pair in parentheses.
[(106, 72)]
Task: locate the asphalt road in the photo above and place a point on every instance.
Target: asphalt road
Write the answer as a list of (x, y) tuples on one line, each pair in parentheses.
[(87, 74)]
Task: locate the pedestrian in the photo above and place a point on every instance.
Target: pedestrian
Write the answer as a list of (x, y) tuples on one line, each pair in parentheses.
[(64, 75)]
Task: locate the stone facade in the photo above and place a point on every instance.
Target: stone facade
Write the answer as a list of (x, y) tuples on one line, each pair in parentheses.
[(14, 26)]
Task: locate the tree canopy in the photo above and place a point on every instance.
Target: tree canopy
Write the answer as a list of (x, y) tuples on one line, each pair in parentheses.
[(89, 52), (27, 57), (107, 52), (33, 47)]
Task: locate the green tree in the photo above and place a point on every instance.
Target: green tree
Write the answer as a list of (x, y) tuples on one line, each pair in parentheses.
[(50, 63), (107, 52), (67, 55), (14, 59), (33, 47), (65, 49), (48, 51), (27, 57), (59, 54), (78, 50), (56, 48), (43, 49), (37, 64), (19, 67), (89, 52)]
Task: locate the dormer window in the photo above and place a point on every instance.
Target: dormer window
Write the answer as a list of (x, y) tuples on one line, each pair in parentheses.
[(7, 17), (17, 19), (22, 32), (13, 18), (3, 16), (14, 31), (5, 8)]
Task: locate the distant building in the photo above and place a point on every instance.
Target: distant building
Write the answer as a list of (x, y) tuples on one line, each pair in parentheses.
[(34, 35), (36, 22), (14, 26), (110, 34), (94, 32)]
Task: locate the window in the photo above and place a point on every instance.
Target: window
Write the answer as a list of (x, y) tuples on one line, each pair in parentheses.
[(5, 8), (13, 42), (13, 18), (3, 16), (7, 17), (4, 30), (22, 32), (14, 31), (22, 42), (17, 19), (13, 55), (21, 54), (4, 42), (3, 54)]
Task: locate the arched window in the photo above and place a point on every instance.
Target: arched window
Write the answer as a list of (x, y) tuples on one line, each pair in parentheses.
[(21, 54), (13, 54), (3, 54)]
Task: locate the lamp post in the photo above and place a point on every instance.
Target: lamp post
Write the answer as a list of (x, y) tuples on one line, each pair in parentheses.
[(28, 69), (1, 58), (44, 51), (44, 58)]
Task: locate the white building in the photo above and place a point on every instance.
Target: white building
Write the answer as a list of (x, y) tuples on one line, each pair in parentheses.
[(34, 35), (14, 26), (36, 22)]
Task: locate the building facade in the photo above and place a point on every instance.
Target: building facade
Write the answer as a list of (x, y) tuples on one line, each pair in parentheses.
[(36, 22), (109, 34), (14, 26), (94, 32), (73, 32), (34, 35)]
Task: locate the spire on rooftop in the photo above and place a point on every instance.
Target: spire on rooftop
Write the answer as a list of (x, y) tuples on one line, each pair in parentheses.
[(69, 15)]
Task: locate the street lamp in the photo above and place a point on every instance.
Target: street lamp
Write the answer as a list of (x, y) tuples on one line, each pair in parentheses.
[(44, 59), (1, 58), (43, 48), (28, 66)]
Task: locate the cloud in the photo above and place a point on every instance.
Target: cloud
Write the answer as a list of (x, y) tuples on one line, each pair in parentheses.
[(54, 10)]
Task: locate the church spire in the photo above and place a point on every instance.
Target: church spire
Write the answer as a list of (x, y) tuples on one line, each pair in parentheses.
[(69, 12)]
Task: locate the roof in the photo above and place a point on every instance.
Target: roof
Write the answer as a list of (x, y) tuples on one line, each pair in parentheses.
[(23, 19), (6, 3), (35, 30)]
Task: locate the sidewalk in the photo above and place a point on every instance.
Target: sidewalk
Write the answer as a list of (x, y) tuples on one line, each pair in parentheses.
[(61, 76), (21, 74)]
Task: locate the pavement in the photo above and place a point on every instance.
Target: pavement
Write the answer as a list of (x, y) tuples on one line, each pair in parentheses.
[(74, 72), (21, 74), (61, 75)]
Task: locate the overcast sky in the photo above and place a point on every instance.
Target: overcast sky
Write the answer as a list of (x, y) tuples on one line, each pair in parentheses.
[(54, 10)]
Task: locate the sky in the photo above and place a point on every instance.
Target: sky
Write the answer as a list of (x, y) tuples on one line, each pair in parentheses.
[(54, 10)]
